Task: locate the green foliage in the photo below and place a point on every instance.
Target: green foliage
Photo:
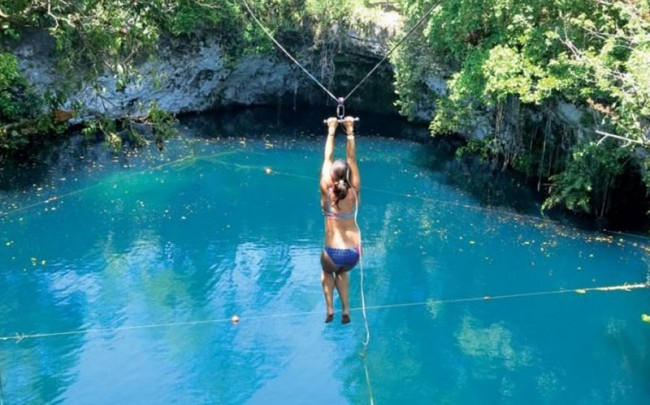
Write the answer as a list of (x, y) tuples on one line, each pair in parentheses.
[(595, 55), (325, 13), (408, 78), (285, 20), (295, 22), (456, 112), (585, 183), (194, 17), (162, 124), (474, 147), (152, 123), (17, 101)]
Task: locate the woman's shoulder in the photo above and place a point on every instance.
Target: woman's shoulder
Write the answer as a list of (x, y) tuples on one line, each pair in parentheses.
[(325, 183)]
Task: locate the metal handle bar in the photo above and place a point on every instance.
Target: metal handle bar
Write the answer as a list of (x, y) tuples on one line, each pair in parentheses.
[(341, 120)]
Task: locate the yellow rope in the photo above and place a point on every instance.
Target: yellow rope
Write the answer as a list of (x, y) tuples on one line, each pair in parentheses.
[(623, 287)]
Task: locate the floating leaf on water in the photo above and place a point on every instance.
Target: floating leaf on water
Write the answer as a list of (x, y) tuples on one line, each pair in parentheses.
[(645, 318), (581, 291)]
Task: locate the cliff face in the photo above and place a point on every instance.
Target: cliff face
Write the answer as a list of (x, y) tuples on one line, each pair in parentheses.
[(193, 75), (183, 76)]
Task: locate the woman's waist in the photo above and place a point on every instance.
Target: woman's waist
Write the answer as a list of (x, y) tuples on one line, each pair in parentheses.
[(342, 238)]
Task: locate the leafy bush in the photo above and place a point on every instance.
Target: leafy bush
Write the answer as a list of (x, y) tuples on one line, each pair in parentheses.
[(17, 101), (595, 55)]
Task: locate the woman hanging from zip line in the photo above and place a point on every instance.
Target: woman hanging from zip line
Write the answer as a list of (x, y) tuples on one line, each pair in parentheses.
[(339, 196)]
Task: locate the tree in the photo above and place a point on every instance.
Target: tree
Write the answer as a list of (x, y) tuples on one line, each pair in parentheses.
[(593, 54)]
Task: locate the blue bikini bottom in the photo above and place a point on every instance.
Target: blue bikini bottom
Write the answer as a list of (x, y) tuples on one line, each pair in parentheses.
[(345, 258)]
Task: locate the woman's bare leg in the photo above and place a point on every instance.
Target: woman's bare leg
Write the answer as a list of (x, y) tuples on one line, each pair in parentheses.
[(342, 283), (327, 280)]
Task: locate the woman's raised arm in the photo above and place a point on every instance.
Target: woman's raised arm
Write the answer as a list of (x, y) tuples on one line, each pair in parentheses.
[(332, 123), (355, 177)]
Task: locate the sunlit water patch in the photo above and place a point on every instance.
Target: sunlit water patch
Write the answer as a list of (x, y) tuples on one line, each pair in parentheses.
[(120, 276)]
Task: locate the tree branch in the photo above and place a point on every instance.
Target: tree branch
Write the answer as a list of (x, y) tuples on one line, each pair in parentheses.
[(628, 141)]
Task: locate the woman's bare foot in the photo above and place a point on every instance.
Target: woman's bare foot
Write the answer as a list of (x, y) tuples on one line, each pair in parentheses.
[(345, 319)]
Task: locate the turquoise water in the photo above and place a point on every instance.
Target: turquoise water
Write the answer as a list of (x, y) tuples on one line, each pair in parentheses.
[(120, 276)]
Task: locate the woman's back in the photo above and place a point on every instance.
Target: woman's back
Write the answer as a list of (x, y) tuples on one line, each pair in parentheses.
[(340, 219)]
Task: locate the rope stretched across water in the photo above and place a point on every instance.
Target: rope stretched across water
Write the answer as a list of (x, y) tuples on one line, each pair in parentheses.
[(260, 316)]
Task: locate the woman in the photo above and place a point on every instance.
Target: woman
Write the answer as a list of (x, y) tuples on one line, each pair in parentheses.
[(339, 196)]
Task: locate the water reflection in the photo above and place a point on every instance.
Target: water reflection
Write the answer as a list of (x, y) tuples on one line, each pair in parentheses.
[(145, 259), (46, 366), (492, 346)]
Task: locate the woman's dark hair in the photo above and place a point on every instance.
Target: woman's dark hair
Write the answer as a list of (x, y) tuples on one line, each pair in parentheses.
[(340, 173)]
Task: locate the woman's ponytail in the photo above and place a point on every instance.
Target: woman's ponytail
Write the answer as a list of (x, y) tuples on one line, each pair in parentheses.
[(340, 173), (340, 189)]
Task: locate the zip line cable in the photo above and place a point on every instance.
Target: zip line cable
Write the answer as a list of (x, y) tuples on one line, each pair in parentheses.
[(417, 24), (340, 100), (286, 52)]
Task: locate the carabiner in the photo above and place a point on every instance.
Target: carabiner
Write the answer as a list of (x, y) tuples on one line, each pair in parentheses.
[(340, 109)]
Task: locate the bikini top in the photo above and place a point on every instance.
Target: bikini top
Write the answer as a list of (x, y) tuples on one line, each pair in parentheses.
[(328, 211)]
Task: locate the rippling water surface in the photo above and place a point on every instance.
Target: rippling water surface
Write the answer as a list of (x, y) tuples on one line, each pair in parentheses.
[(120, 276)]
